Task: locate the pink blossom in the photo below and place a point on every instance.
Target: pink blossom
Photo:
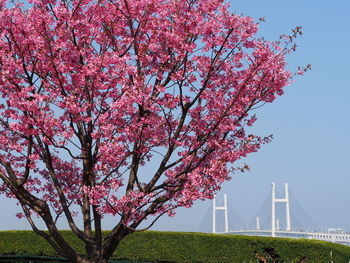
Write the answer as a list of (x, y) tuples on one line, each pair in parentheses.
[(128, 108)]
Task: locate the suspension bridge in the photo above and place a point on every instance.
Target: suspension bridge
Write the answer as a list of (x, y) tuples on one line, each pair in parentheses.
[(274, 228)]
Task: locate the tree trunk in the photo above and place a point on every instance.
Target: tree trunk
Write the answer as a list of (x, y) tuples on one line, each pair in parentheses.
[(93, 256), (95, 260)]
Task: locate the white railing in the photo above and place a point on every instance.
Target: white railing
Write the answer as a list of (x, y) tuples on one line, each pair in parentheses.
[(331, 237)]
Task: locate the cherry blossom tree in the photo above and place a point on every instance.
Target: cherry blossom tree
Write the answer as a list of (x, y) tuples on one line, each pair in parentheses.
[(127, 108)]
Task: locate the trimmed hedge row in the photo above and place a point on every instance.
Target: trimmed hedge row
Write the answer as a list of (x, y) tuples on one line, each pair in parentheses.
[(180, 247)]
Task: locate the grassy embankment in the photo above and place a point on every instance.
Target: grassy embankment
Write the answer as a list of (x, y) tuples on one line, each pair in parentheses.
[(191, 248)]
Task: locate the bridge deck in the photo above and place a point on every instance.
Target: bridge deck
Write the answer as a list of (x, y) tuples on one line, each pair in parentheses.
[(343, 238)]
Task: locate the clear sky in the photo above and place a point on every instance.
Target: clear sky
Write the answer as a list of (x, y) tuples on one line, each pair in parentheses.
[(310, 123)]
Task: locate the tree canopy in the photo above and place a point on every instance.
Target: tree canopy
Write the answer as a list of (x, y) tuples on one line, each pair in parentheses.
[(129, 108)]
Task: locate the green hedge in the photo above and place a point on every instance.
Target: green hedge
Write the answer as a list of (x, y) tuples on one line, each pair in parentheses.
[(191, 248)]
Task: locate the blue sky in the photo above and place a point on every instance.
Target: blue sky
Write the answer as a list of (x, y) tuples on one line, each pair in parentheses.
[(310, 123)]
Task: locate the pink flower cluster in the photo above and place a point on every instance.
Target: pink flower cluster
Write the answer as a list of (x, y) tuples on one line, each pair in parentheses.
[(133, 108)]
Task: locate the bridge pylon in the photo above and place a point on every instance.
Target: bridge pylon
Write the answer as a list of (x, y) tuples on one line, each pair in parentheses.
[(220, 208), (273, 213)]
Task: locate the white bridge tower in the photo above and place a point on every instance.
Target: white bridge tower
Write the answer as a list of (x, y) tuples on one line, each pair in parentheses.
[(332, 235), (225, 213), (273, 214)]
